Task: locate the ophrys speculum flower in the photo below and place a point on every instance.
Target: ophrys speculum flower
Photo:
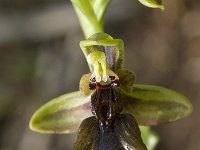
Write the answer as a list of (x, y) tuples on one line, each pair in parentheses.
[(150, 105)]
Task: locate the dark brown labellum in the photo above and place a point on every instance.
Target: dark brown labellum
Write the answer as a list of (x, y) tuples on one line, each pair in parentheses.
[(108, 129)]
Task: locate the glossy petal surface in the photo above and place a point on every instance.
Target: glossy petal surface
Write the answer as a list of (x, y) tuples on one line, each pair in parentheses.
[(126, 135)]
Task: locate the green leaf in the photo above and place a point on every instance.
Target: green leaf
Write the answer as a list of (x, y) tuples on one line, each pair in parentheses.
[(153, 3), (152, 105), (61, 115), (91, 15)]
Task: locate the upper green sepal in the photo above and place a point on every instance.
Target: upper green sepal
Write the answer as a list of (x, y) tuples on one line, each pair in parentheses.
[(113, 49), (62, 114), (152, 105), (153, 3)]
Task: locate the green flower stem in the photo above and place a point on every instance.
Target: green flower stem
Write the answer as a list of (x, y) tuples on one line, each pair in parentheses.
[(91, 15), (89, 25)]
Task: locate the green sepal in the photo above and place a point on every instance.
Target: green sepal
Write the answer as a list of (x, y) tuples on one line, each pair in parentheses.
[(62, 114), (152, 105), (113, 49), (153, 3)]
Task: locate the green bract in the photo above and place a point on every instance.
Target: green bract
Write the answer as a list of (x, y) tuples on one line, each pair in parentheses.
[(91, 13)]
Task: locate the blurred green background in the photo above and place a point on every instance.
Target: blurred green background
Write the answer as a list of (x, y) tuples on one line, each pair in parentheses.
[(40, 59)]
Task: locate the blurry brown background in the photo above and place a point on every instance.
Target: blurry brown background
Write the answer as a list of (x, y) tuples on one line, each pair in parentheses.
[(40, 59)]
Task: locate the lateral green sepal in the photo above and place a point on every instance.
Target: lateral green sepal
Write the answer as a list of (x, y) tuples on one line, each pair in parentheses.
[(62, 114), (152, 105)]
